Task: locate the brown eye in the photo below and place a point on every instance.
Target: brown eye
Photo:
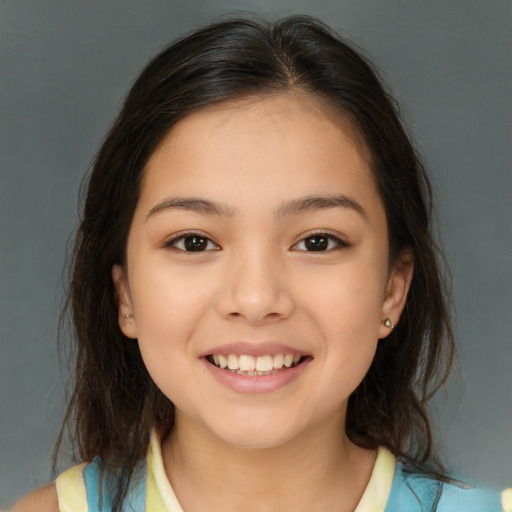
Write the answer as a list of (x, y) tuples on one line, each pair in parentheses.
[(195, 243), (322, 242), (316, 243)]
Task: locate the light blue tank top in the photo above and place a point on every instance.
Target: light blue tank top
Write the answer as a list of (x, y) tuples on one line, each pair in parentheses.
[(418, 493), (392, 487), (409, 493)]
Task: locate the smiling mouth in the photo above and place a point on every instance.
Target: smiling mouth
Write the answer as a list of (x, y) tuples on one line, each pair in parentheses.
[(255, 366)]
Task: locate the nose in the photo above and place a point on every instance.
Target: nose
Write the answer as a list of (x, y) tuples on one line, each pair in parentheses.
[(257, 290)]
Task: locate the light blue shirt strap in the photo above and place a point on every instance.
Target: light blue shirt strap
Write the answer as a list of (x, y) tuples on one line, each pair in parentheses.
[(419, 493), (99, 484)]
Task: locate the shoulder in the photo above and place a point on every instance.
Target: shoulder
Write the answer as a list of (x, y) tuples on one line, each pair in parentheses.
[(43, 499), (67, 493)]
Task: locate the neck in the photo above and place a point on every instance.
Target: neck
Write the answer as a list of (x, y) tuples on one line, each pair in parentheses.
[(319, 470)]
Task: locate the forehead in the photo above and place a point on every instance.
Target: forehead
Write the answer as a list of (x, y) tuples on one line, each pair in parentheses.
[(258, 153), (285, 127)]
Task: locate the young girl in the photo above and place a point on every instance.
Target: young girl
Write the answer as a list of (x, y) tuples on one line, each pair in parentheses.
[(260, 314)]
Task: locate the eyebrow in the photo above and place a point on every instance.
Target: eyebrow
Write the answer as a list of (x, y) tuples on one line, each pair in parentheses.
[(312, 203), (298, 206), (193, 204)]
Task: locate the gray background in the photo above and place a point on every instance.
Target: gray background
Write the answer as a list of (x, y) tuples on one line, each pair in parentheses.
[(65, 66)]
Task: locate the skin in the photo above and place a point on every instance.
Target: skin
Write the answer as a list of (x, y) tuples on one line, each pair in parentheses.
[(44, 499), (257, 281)]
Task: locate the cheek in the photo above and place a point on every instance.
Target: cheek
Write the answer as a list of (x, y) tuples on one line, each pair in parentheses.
[(347, 300), (168, 307), (346, 309), (168, 301)]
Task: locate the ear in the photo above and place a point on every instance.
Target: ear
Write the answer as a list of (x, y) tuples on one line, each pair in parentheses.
[(125, 314), (396, 292)]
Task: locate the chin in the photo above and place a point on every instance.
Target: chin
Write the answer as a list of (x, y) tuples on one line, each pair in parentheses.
[(255, 440), (252, 434)]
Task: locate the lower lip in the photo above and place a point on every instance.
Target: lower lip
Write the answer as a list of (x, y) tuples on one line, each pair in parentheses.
[(254, 384)]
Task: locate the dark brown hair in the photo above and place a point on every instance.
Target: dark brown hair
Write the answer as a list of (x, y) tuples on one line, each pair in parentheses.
[(114, 403)]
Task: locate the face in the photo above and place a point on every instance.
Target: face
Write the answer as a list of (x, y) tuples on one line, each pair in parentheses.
[(258, 271)]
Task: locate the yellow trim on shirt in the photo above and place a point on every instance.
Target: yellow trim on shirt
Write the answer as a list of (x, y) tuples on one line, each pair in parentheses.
[(159, 494), (506, 500), (376, 494), (71, 490)]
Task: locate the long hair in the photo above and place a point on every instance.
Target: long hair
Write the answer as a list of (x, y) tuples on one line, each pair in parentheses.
[(114, 403)]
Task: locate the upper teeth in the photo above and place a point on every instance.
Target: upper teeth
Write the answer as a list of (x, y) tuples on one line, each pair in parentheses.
[(248, 363)]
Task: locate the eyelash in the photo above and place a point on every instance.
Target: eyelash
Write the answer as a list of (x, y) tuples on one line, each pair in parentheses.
[(181, 240)]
